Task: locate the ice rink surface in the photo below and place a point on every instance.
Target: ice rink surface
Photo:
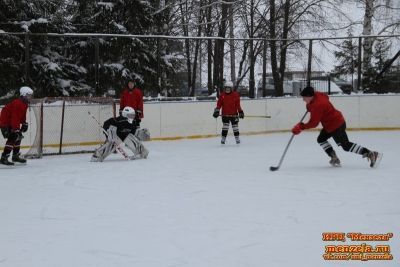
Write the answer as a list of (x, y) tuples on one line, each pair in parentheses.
[(196, 203)]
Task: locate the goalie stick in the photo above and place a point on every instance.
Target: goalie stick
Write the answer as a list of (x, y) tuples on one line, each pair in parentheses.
[(118, 147)]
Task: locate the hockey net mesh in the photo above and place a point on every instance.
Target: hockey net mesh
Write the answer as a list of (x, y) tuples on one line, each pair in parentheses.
[(63, 125)]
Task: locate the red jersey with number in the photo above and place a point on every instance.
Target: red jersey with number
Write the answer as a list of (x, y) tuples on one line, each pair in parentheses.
[(132, 98), (229, 103), (14, 114), (322, 111)]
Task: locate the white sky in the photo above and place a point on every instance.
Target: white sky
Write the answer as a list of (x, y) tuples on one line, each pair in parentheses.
[(195, 203)]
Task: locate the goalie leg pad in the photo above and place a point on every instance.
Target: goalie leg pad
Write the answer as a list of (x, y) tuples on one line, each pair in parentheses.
[(103, 151), (134, 144), (112, 134)]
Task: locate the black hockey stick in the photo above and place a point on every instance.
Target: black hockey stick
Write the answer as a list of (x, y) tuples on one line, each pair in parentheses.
[(248, 116), (118, 147), (273, 168)]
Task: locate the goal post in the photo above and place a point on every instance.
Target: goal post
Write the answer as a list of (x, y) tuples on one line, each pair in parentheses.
[(62, 125)]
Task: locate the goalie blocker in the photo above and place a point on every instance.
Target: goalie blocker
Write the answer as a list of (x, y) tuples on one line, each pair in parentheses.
[(123, 129)]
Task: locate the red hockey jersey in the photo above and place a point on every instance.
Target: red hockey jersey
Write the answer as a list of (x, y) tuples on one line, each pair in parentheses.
[(132, 99), (229, 103), (322, 110), (14, 114)]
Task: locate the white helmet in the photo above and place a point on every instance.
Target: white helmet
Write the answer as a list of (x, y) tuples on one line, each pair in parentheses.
[(128, 113), (228, 87), (228, 84), (25, 91)]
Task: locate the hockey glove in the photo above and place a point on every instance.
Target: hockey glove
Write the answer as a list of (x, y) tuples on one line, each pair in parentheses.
[(16, 135), (241, 114), (297, 129), (216, 113), (138, 114), (24, 127), (6, 132)]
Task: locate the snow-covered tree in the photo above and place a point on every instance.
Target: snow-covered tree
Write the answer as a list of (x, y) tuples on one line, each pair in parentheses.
[(346, 57), (29, 17), (380, 17)]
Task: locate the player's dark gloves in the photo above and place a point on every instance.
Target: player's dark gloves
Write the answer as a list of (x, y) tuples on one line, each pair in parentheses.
[(24, 127), (16, 135), (216, 113)]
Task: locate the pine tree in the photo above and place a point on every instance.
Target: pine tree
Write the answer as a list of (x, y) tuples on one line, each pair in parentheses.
[(121, 59), (66, 66), (11, 48), (52, 71), (379, 58), (381, 54), (347, 57)]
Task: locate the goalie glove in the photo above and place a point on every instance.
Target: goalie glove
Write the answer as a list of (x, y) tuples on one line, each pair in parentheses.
[(143, 134)]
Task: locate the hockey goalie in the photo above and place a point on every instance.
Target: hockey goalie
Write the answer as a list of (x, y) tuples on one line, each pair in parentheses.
[(123, 130)]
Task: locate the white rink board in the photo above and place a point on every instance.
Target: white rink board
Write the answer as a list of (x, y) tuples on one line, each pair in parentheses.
[(183, 119)]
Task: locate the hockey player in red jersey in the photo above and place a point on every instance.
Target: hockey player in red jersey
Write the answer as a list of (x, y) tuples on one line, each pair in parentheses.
[(229, 103), (13, 124), (333, 125), (132, 96)]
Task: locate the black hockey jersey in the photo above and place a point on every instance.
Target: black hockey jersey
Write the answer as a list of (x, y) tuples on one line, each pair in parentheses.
[(124, 127)]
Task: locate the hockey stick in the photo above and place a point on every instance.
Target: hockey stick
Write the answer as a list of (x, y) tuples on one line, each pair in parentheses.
[(272, 168), (257, 116), (118, 147), (248, 116)]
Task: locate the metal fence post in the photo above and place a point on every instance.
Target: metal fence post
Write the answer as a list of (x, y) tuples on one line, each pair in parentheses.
[(359, 64), (62, 127), (329, 84), (264, 69), (40, 149), (27, 58), (309, 62), (158, 67), (96, 66)]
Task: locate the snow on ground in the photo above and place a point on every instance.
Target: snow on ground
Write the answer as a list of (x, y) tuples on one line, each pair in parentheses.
[(195, 203)]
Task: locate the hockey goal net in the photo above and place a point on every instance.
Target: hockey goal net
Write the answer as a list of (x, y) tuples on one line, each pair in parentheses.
[(64, 126)]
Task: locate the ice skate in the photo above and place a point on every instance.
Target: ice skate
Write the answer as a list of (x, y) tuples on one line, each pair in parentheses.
[(4, 161), (223, 139), (374, 158), (335, 162), (237, 140), (95, 158), (16, 158), (144, 153)]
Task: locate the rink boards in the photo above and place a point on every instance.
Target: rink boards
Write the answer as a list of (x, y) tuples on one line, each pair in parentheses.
[(193, 119)]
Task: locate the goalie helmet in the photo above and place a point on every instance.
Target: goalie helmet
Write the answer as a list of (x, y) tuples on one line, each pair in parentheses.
[(128, 113), (25, 91)]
